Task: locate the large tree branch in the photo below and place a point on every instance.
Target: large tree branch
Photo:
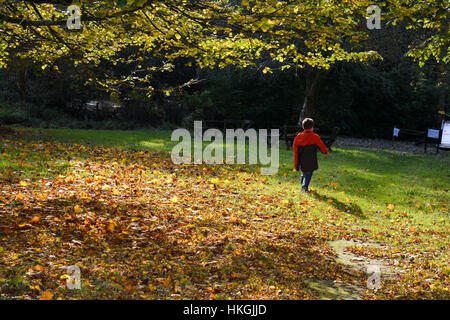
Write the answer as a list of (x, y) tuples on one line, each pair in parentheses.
[(47, 22)]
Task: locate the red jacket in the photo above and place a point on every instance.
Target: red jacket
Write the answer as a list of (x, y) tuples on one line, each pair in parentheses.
[(308, 161)]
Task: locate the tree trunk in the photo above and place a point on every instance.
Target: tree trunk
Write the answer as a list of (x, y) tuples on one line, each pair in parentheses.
[(21, 84), (442, 84), (314, 78)]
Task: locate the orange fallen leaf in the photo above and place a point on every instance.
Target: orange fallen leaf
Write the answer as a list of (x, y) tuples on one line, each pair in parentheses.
[(77, 209), (111, 226), (35, 219), (391, 207), (38, 268), (168, 282), (46, 295), (42, 196), (236, 275), (69, 180), (232, 219), (19, 197)]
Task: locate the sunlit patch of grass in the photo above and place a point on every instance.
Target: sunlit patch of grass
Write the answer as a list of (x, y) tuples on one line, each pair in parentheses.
[(151, 144)]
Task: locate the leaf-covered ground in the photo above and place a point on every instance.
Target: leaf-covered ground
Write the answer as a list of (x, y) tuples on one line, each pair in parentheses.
[(140, 227)]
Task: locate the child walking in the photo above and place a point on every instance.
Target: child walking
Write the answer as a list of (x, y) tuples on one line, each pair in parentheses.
[(306, 144)]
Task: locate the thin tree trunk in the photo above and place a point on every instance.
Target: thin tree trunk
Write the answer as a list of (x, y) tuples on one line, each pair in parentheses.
[(21, 84), (442, 84), (314, 78)]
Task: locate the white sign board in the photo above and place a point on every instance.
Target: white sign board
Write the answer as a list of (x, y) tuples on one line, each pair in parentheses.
[(396, 132), (445, 141), (432, 133)]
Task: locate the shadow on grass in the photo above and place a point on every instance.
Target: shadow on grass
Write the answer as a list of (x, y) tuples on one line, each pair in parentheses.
[(351, 208)]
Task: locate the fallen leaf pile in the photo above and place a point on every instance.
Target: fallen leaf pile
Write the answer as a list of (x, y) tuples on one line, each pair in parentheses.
[(140, 227)]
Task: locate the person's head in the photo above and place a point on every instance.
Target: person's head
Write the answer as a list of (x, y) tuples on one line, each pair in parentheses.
[(308, 124)]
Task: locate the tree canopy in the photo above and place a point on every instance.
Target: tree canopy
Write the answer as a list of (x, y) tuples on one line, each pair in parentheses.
[(213, 33)]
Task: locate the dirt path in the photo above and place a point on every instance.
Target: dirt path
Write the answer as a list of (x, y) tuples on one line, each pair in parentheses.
[(381, 144), (332, 290)]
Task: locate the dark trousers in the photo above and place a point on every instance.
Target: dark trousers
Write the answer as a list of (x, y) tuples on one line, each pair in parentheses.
[(306, 179)]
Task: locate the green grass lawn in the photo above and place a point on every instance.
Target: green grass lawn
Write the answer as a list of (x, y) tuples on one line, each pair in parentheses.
[(371, 179), (397, 200)]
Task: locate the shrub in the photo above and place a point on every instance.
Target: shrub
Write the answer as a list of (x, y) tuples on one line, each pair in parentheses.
[(12, 115)]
